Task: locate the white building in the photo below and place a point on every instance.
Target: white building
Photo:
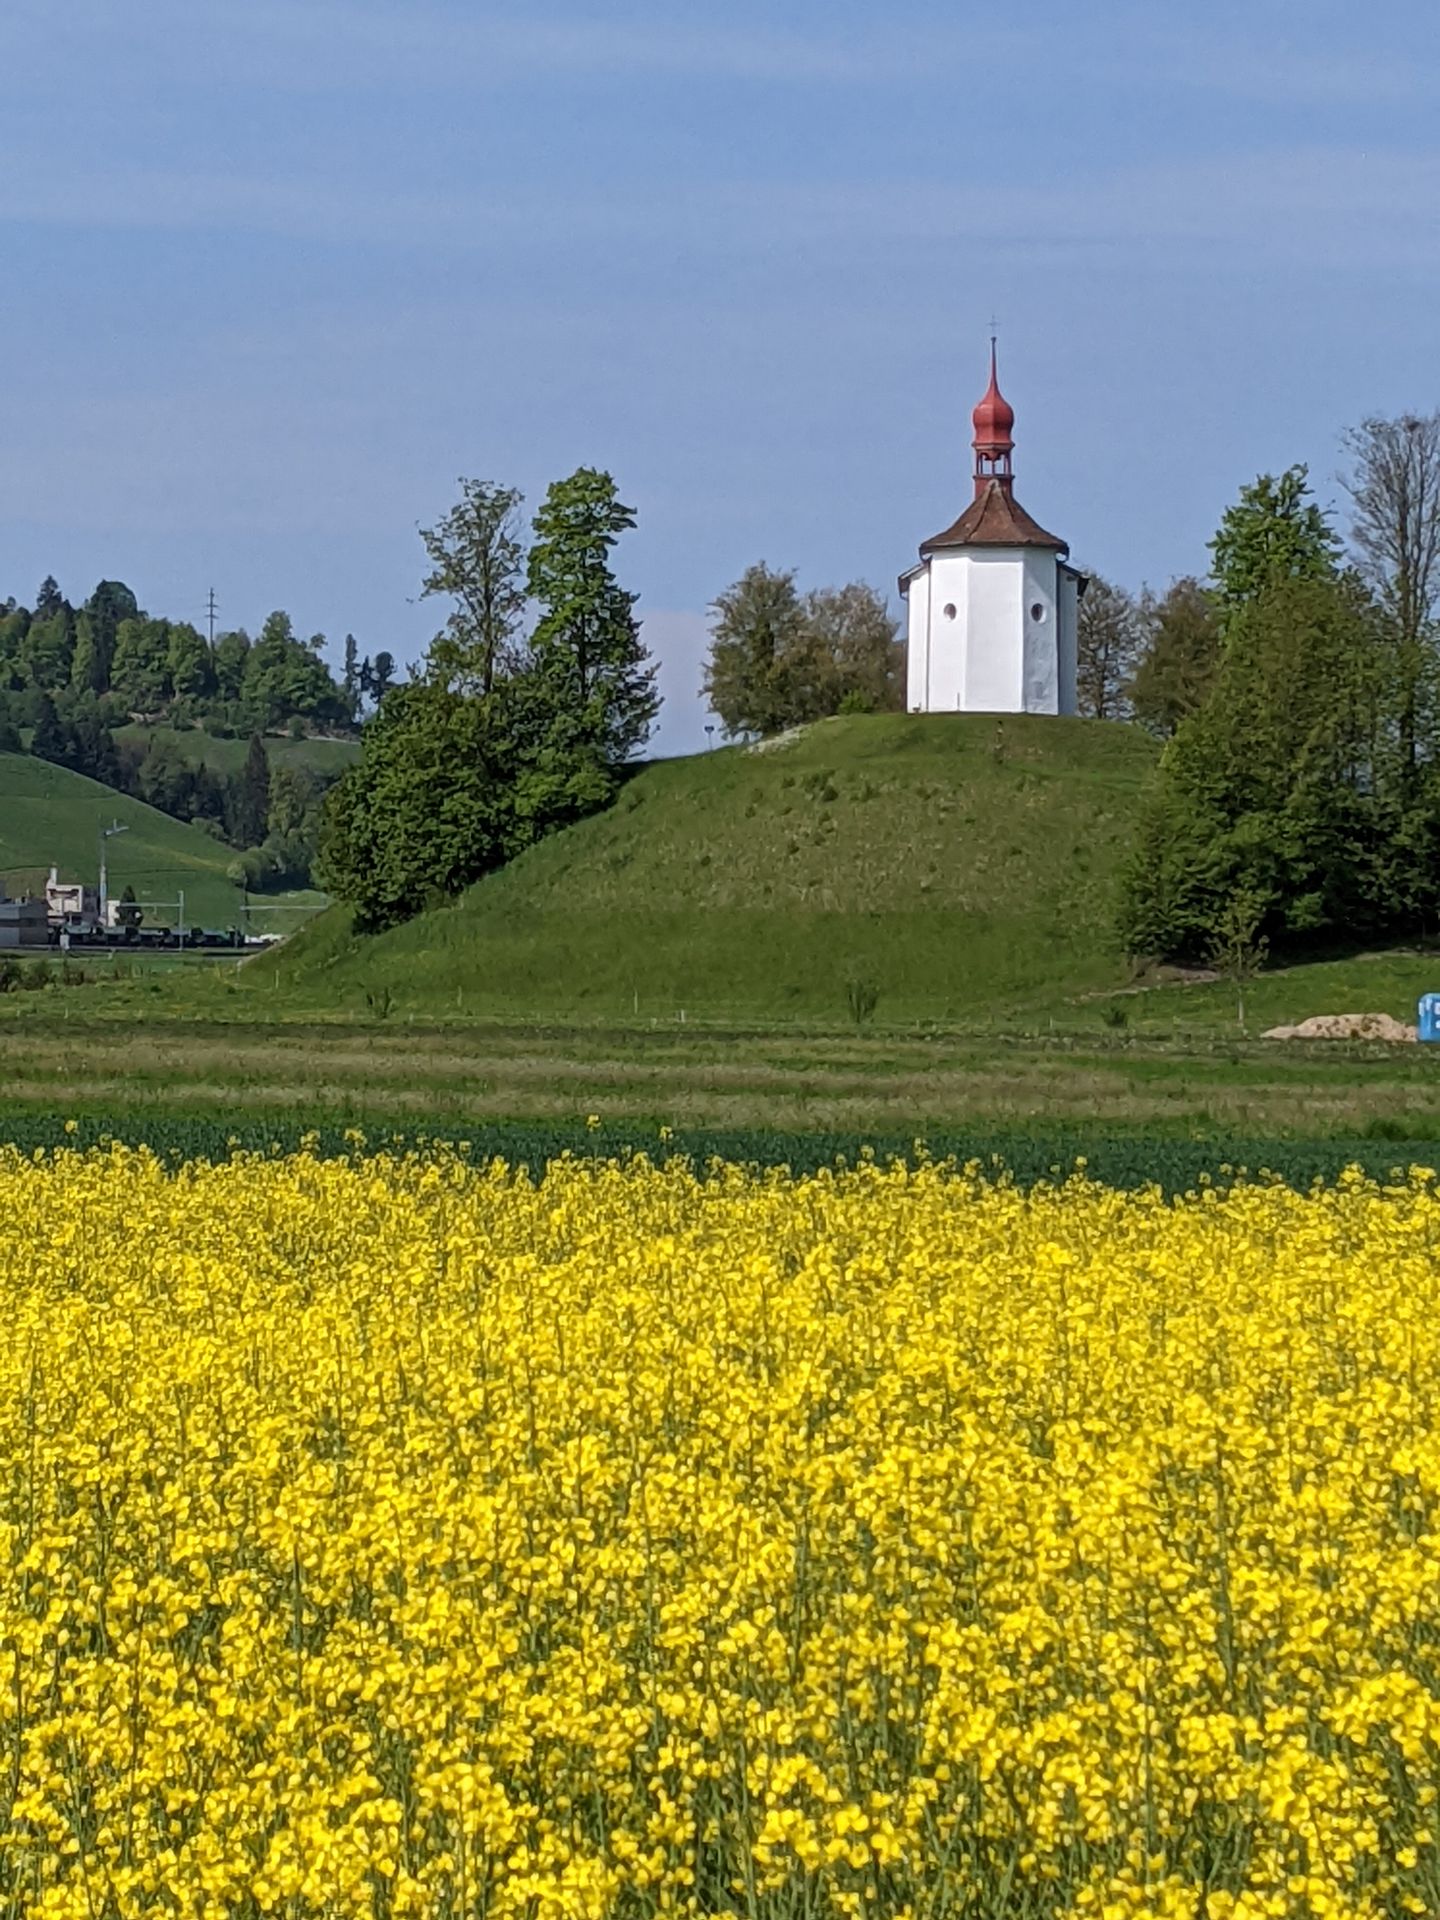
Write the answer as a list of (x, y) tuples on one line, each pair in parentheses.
[(993, 603)]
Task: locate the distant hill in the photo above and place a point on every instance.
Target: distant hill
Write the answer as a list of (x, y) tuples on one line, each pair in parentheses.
[(959, 863), (228, 756), (50, 816)]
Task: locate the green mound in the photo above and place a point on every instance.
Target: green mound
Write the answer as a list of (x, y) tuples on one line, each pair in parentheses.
[(958, 864), (52, 817)]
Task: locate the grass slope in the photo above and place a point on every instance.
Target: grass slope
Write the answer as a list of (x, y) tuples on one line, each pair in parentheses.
[(961, 863), (50, 816), (228, 756)]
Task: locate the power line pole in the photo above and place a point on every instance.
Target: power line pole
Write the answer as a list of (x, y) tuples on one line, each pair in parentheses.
[(105, 834), (210, 612)]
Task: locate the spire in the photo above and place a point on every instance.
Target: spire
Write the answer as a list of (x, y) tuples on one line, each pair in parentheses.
[(994, 441)]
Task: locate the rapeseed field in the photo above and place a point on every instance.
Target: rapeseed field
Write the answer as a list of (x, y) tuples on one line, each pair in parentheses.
[(396, 1536)]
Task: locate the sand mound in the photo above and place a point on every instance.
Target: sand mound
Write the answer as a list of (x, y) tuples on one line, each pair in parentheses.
[(1345, 1026)]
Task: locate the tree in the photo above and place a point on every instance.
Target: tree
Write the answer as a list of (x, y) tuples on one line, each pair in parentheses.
[(428, 807), (140, 673), (128, 913), (50, 739), (382, 676), (1180, 650), (1110, 639), (110, 603), (1274, 785), (284, 676), (84, 659), (91, 743), (1274, 531), (1394, 488), (1238, 948), (188, 664), (588, 667), (48, 649), (165, 779), (779, 661), (49, 600), (14, 626), (251, 813), (856, 639), (350, 685), (232, 653), (756, 626), (477, 560)]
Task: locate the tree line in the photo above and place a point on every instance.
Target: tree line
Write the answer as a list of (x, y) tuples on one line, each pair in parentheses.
[(1296, 804), (72, 677), (501, 734), (109, 655)]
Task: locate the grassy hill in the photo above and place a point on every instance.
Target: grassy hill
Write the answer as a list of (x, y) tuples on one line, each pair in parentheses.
[(228, 756), (961, 864), (50, 816)]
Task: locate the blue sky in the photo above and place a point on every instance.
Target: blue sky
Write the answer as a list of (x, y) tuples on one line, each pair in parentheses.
[(276, 272)]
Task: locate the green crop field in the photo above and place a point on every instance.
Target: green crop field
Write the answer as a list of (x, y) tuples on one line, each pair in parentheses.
[(50, 816), (228, 756)]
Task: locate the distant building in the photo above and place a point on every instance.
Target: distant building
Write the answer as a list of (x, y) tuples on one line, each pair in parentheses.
[(70, 900), (23, 924), (993, 604)]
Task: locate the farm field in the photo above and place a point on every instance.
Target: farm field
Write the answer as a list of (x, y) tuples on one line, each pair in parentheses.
[(920, 1547), (145, 1050)]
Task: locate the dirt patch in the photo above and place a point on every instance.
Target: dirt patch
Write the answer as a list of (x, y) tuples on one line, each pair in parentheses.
[(778, 740), (1345, 1026)]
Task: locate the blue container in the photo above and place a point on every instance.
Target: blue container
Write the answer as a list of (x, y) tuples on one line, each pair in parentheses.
[(1430, 1016)]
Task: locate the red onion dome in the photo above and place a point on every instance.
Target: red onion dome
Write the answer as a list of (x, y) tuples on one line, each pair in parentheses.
[(994, 418)]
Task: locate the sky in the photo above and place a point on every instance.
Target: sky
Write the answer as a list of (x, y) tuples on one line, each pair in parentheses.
[(274, 274)]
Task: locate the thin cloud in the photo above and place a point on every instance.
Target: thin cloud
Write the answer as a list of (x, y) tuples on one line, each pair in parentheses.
[(1339, 208), (332, 44)]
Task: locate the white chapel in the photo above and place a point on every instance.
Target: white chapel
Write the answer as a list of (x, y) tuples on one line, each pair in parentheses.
[(993, 602)]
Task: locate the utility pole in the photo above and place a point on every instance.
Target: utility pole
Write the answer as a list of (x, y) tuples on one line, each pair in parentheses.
[(105, 834), (210, 613)]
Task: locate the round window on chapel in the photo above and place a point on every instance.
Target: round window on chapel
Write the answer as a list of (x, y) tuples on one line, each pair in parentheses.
[(1037, 612), (949, 609)]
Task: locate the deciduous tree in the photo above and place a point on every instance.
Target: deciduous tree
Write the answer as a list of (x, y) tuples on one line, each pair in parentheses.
[(1110, 640), (1180, 648), (1394, 488), (427, 809), (1275, 531), (477, 562), (756, 626)]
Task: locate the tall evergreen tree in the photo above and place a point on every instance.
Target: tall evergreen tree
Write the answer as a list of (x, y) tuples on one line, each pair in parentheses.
[(51, 738), (593, 681), (252, 801), (49, 600)]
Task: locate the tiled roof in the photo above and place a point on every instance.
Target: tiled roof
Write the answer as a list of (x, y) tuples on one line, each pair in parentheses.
[(995, 518)]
